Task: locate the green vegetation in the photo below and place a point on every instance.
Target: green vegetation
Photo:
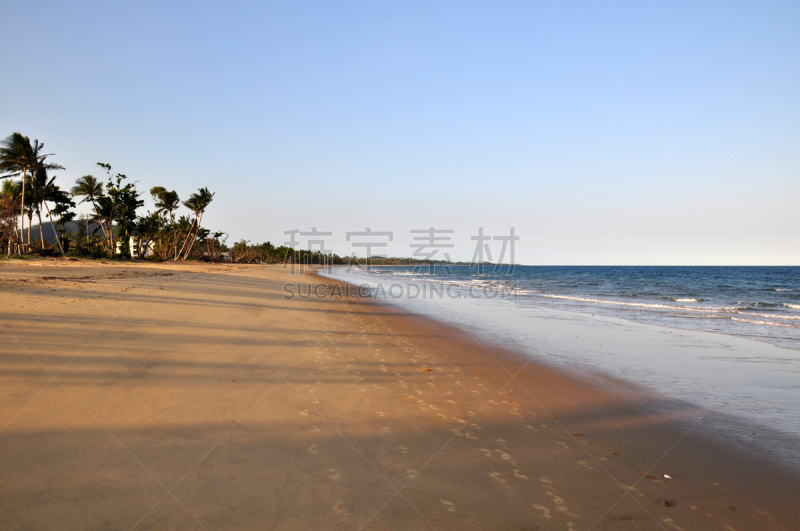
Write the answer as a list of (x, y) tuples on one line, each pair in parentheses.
[(113, 230)]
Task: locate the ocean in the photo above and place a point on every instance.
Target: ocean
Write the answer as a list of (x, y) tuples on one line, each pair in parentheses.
[(723, 342)]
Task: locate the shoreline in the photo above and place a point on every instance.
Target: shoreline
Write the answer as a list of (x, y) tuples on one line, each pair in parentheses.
[(374, 416), (507, 327), (658, 311)]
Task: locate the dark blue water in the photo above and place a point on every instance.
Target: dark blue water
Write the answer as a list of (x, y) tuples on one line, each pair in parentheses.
[(761, 303)]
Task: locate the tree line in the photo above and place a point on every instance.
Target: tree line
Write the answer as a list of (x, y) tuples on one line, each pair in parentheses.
[(29, 189)]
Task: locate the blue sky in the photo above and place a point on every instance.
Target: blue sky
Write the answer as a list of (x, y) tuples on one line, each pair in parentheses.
[(604, 132)]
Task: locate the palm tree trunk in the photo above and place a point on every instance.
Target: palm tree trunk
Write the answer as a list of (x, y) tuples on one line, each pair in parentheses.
[(187, 238), (41, 231), (174, 250), (196, 230), (194, 236), (22, 211), (58, 240), (112, 248), (187, 247)]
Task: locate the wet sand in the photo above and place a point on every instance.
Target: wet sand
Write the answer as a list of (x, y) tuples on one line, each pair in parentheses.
[(194, 396)]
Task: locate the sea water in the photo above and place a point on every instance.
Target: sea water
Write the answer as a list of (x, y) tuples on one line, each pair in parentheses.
[(723, 342)]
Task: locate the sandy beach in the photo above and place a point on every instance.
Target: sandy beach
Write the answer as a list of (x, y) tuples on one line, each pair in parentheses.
[(195, 396)]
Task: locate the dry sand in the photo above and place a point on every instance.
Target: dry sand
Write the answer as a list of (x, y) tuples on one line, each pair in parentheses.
[(148, 396)]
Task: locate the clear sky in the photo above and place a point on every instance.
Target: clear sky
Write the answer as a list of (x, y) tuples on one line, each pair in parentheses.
[(604, 132)]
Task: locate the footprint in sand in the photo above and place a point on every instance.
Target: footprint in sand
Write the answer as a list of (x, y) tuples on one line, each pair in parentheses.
[(496, 475), (531, 428), (585, 464), (304, 412), (634, 489), (519, 474), (334, 474), (313, 449), (387, 429), (560, 507), (403, 449), (504, 456), (561, 443), (487, 453), (696, 508), (411, 472), (449, 505), (338, 508), (545, 510), (669, 522)]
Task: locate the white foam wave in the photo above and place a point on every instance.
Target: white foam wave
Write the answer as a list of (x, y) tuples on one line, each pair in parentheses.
[(772, 316), (768, 323), (792, 306), (686, 300), (704, 309), (783, 289)]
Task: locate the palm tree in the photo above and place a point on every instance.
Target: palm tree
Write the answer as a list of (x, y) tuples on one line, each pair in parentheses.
[(38, 192), (17, 158), (170, 202), (63, 210), (9, 201), (197, 203), (166, 201), (44, 189), (104, 213), (10, 190), (90, 189)]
